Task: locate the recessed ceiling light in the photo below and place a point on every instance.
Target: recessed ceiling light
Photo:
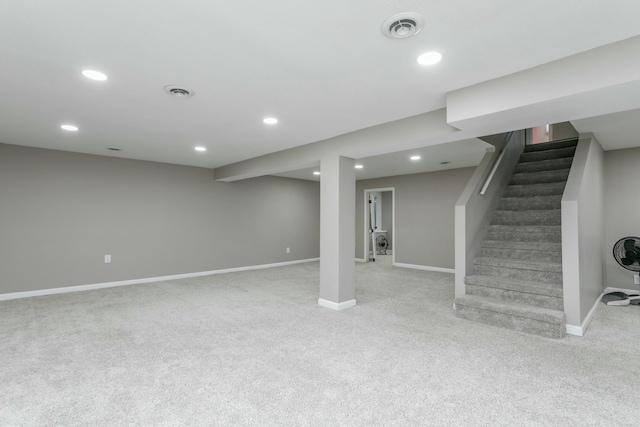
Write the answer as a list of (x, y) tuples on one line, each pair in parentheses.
[(270, 120), (316, 172), (415, 158), (429, 58), (359, 166), (201, 149), (94, 75), (70, 128)]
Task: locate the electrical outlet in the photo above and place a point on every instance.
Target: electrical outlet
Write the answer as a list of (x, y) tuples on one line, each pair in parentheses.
[(107, 259), (288, 250), (636, 279)]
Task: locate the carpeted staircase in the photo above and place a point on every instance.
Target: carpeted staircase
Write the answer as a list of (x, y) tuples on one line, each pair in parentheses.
[(517, 280)]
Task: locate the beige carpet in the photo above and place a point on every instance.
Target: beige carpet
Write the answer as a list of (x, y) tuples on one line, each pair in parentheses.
[(254, 348)]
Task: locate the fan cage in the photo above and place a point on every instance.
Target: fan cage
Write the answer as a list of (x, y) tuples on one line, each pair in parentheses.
[(382, 244), (626, 252)]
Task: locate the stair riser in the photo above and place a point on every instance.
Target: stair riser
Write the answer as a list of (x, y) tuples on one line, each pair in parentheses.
[(550, 290), (540, 177), (535, 156), (522, 254), (570, 143), (520, 274), (544, 165), (511, 322), (515, 296), (530, 203), (527, 218), (525, 237), (549, 189)]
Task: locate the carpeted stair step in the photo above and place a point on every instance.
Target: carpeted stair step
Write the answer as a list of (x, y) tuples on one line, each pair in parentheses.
[(525, 233), (556, 153), (567, 143), (519, 317), (544, 165), (526, 190), (547, 295), (540, 271), (524, 251), (553, 201), (528, 217), (541, 177)]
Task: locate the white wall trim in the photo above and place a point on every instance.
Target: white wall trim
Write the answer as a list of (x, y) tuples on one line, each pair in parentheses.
[(360, 260), (336, 305), (80, 288), (580, 330), (424, 267)]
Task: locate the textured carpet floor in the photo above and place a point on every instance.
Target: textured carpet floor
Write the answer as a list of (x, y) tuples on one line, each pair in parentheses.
[(254, 348)]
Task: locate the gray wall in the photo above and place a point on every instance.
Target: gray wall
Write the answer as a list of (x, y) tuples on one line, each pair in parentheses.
[(473, 211), (424, 233), (621, 205), (60, 213), (583, 233)]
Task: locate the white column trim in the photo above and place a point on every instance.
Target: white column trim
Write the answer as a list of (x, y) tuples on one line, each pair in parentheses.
[(337, 306)]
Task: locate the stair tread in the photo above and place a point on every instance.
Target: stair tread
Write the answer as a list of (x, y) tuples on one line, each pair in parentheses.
[(526, 211), (546, 164), (526, 228), (558, 171), (525, 286), (540, 198), (549, 266), (515, 244), (513, 308), (552, 153), (529, 229), (544, 202), (535, 189)]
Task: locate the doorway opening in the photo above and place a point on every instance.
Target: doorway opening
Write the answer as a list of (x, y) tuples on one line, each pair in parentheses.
[(379, 223)]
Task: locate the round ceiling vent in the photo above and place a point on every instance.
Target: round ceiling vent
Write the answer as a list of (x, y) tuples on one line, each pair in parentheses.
[(402, 25), (179, 91)]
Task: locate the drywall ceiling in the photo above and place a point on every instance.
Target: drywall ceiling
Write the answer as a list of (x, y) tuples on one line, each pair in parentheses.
[(323, 68), (453, 155), (614, 131)]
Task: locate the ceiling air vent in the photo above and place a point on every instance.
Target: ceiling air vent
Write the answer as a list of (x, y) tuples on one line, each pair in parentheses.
[(178, 91), (402, 25)]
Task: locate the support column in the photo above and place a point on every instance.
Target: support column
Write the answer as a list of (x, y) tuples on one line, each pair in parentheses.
[(337, 232)]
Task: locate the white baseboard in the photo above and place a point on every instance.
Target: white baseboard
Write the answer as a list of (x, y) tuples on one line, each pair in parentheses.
[(80, 288), (580, 330), (336, 305), (360, 260), (424, 267)]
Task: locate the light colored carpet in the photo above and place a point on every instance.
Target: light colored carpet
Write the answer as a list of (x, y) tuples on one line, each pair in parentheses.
[(254, 348)]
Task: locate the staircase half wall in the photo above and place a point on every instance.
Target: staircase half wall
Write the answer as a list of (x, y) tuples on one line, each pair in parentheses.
[(583, 235), (473, 210)]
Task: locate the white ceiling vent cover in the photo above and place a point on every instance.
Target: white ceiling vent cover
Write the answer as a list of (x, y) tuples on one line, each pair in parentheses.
[(179, 91), (402, 25)]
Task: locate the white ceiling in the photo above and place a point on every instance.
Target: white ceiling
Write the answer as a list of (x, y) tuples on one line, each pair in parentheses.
[(458, 154), (322, 67)]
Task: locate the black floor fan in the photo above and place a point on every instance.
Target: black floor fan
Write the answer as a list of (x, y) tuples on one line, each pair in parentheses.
[(626, 252)]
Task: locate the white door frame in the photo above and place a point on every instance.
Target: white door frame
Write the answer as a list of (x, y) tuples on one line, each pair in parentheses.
[(367, 236)]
